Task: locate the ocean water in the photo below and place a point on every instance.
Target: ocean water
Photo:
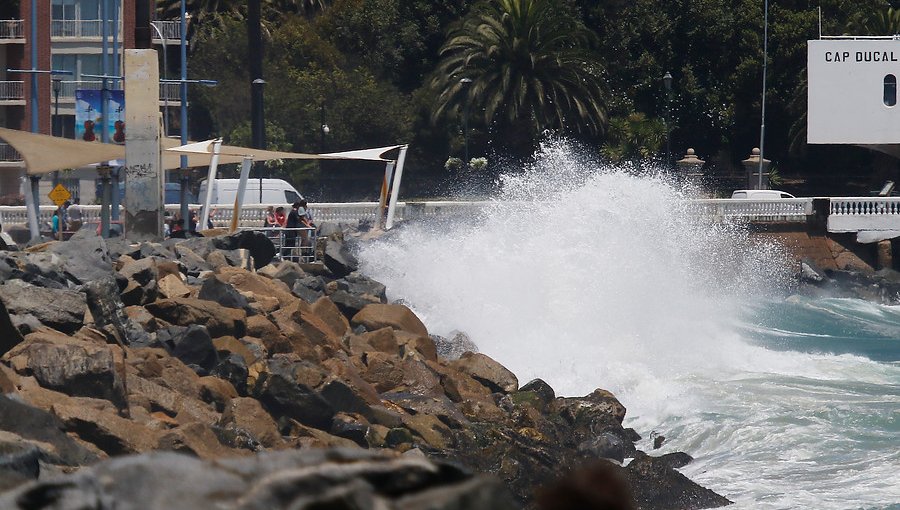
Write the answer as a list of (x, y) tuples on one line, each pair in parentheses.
[(595, 277)]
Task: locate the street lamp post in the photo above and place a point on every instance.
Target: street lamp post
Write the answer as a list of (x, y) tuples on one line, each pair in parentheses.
[(466, 83), (762, 124), (667, 83), (57, 83), (257, 125)]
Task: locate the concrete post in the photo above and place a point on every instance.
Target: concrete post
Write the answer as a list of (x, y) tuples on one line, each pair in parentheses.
[(751, 164), (144, 200)]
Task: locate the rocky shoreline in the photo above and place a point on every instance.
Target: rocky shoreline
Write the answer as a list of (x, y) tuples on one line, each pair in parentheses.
[(287, 386)]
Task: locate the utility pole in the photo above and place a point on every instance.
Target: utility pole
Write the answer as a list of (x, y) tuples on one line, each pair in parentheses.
[(257, 84)]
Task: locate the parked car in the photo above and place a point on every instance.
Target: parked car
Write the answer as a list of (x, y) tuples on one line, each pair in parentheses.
[(760, 194)]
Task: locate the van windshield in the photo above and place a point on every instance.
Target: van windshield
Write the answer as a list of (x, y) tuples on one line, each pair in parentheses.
[(291, 197)]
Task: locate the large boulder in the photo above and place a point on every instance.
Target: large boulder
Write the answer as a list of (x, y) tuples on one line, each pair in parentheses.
[(74, 367), (282, 394), (45, 429), (247, 414), (656, 485), (86, 257), (109, 314), (194, 347), (106, 430), (488, 372), (339, 258), (9, 334), (377, 316), (59, 309), (224, 294), (219, 320)]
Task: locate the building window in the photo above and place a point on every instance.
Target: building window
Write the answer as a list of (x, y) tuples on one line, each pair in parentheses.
[(890, 90)]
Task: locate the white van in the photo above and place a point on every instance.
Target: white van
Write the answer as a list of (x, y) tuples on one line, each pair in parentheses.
[(274, 191), (761, 194)]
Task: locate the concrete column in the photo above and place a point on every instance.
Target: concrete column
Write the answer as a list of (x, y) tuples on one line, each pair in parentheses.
[(144, 175), (751, 164)]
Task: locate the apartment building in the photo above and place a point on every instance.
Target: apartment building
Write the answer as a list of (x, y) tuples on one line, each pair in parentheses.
[(68, 37)]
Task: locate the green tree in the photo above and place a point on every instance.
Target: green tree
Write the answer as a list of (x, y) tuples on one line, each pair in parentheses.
[(530, 69), (634, 137)]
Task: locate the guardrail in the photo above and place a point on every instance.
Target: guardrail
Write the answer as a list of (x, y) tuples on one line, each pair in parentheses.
[(81, 28), (170, 30), (855, 214), (7, 153), (67, 89), (12, 29), (12, 90), (852, 214)]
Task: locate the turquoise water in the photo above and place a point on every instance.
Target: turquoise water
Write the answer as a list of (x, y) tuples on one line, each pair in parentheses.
[(589, 277)]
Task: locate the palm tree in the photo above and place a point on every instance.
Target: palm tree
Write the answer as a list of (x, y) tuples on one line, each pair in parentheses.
[(634, 137), (528, 64)]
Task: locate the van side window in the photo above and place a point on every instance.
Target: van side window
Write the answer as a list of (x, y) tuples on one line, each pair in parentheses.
[(290, 197), (785, 195), (890, 90), (740, 195)]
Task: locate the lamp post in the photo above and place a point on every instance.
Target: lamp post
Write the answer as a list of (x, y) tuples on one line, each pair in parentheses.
[(57, 83), (162, 40), (762, 124), (465, 83), (257, 126), (667, 83)]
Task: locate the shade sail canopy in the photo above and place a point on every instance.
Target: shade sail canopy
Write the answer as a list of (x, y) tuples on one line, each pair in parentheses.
[(172, 159), (44, 154), (228, 152)]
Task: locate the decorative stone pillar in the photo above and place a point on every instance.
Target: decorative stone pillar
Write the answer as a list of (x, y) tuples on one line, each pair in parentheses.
[(751, 164), (690, 166)]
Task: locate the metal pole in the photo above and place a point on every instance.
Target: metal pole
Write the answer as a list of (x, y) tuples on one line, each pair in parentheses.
[(210, 182), (395, 190), (762, 125), (105, 200), (115, 48), (184, 112), (104, 66)]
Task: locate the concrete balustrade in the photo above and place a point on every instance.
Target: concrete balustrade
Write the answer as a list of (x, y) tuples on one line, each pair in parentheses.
[(851, 214)]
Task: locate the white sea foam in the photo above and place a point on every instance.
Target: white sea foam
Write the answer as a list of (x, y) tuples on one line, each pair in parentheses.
[(589, 276)]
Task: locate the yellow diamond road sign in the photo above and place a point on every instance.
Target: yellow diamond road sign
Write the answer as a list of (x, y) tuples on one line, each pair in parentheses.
[(59, 195)]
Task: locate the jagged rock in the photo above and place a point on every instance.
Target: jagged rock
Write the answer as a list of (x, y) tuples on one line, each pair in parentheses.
[(9, 333), (349, 304), (309, 288), (194, 346), (352, 427), (109, 314), (8, 380), (487, 371), (454, 347), (171, 286), (59, 309), (676, 460), (412, 343), (606, 445), (326, 310), (282, 395), (437, 406), (19, 461), (656, 485), (540, 390), (289, 272), (342, 398), (248, 415), (71, 366), (224, 294), (219, 320), (383, 340), (376, 316), (195, 439), (106, 430), (339, 258), (85, 258), (233, 368), (42, 427), (364, 287)]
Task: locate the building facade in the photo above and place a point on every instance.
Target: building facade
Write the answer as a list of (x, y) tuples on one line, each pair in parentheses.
[(67, 36)]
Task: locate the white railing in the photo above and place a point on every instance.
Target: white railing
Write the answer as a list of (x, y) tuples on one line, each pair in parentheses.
[(80, 28), (7, 153), (170, 30), (67, 88), (12, 29), (855, 214), (12, 90), (783, 209), (170, 91)]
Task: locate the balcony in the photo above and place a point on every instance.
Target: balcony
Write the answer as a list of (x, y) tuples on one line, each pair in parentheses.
[(12, 92), (12, 31), (170, 31), (80, 28), (167, 91), (8, 154)]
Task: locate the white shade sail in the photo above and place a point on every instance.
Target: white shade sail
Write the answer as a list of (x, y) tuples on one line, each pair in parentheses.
[(234, 154), (44, 154)]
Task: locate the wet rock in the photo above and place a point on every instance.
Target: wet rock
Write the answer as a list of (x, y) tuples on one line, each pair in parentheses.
[(487, 371), (453, 347), (606, 445), (339, 258), (59, 309), (656, 485), (598, 485), (411, 343), (376, 316), (541, 390), (676, 460)]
